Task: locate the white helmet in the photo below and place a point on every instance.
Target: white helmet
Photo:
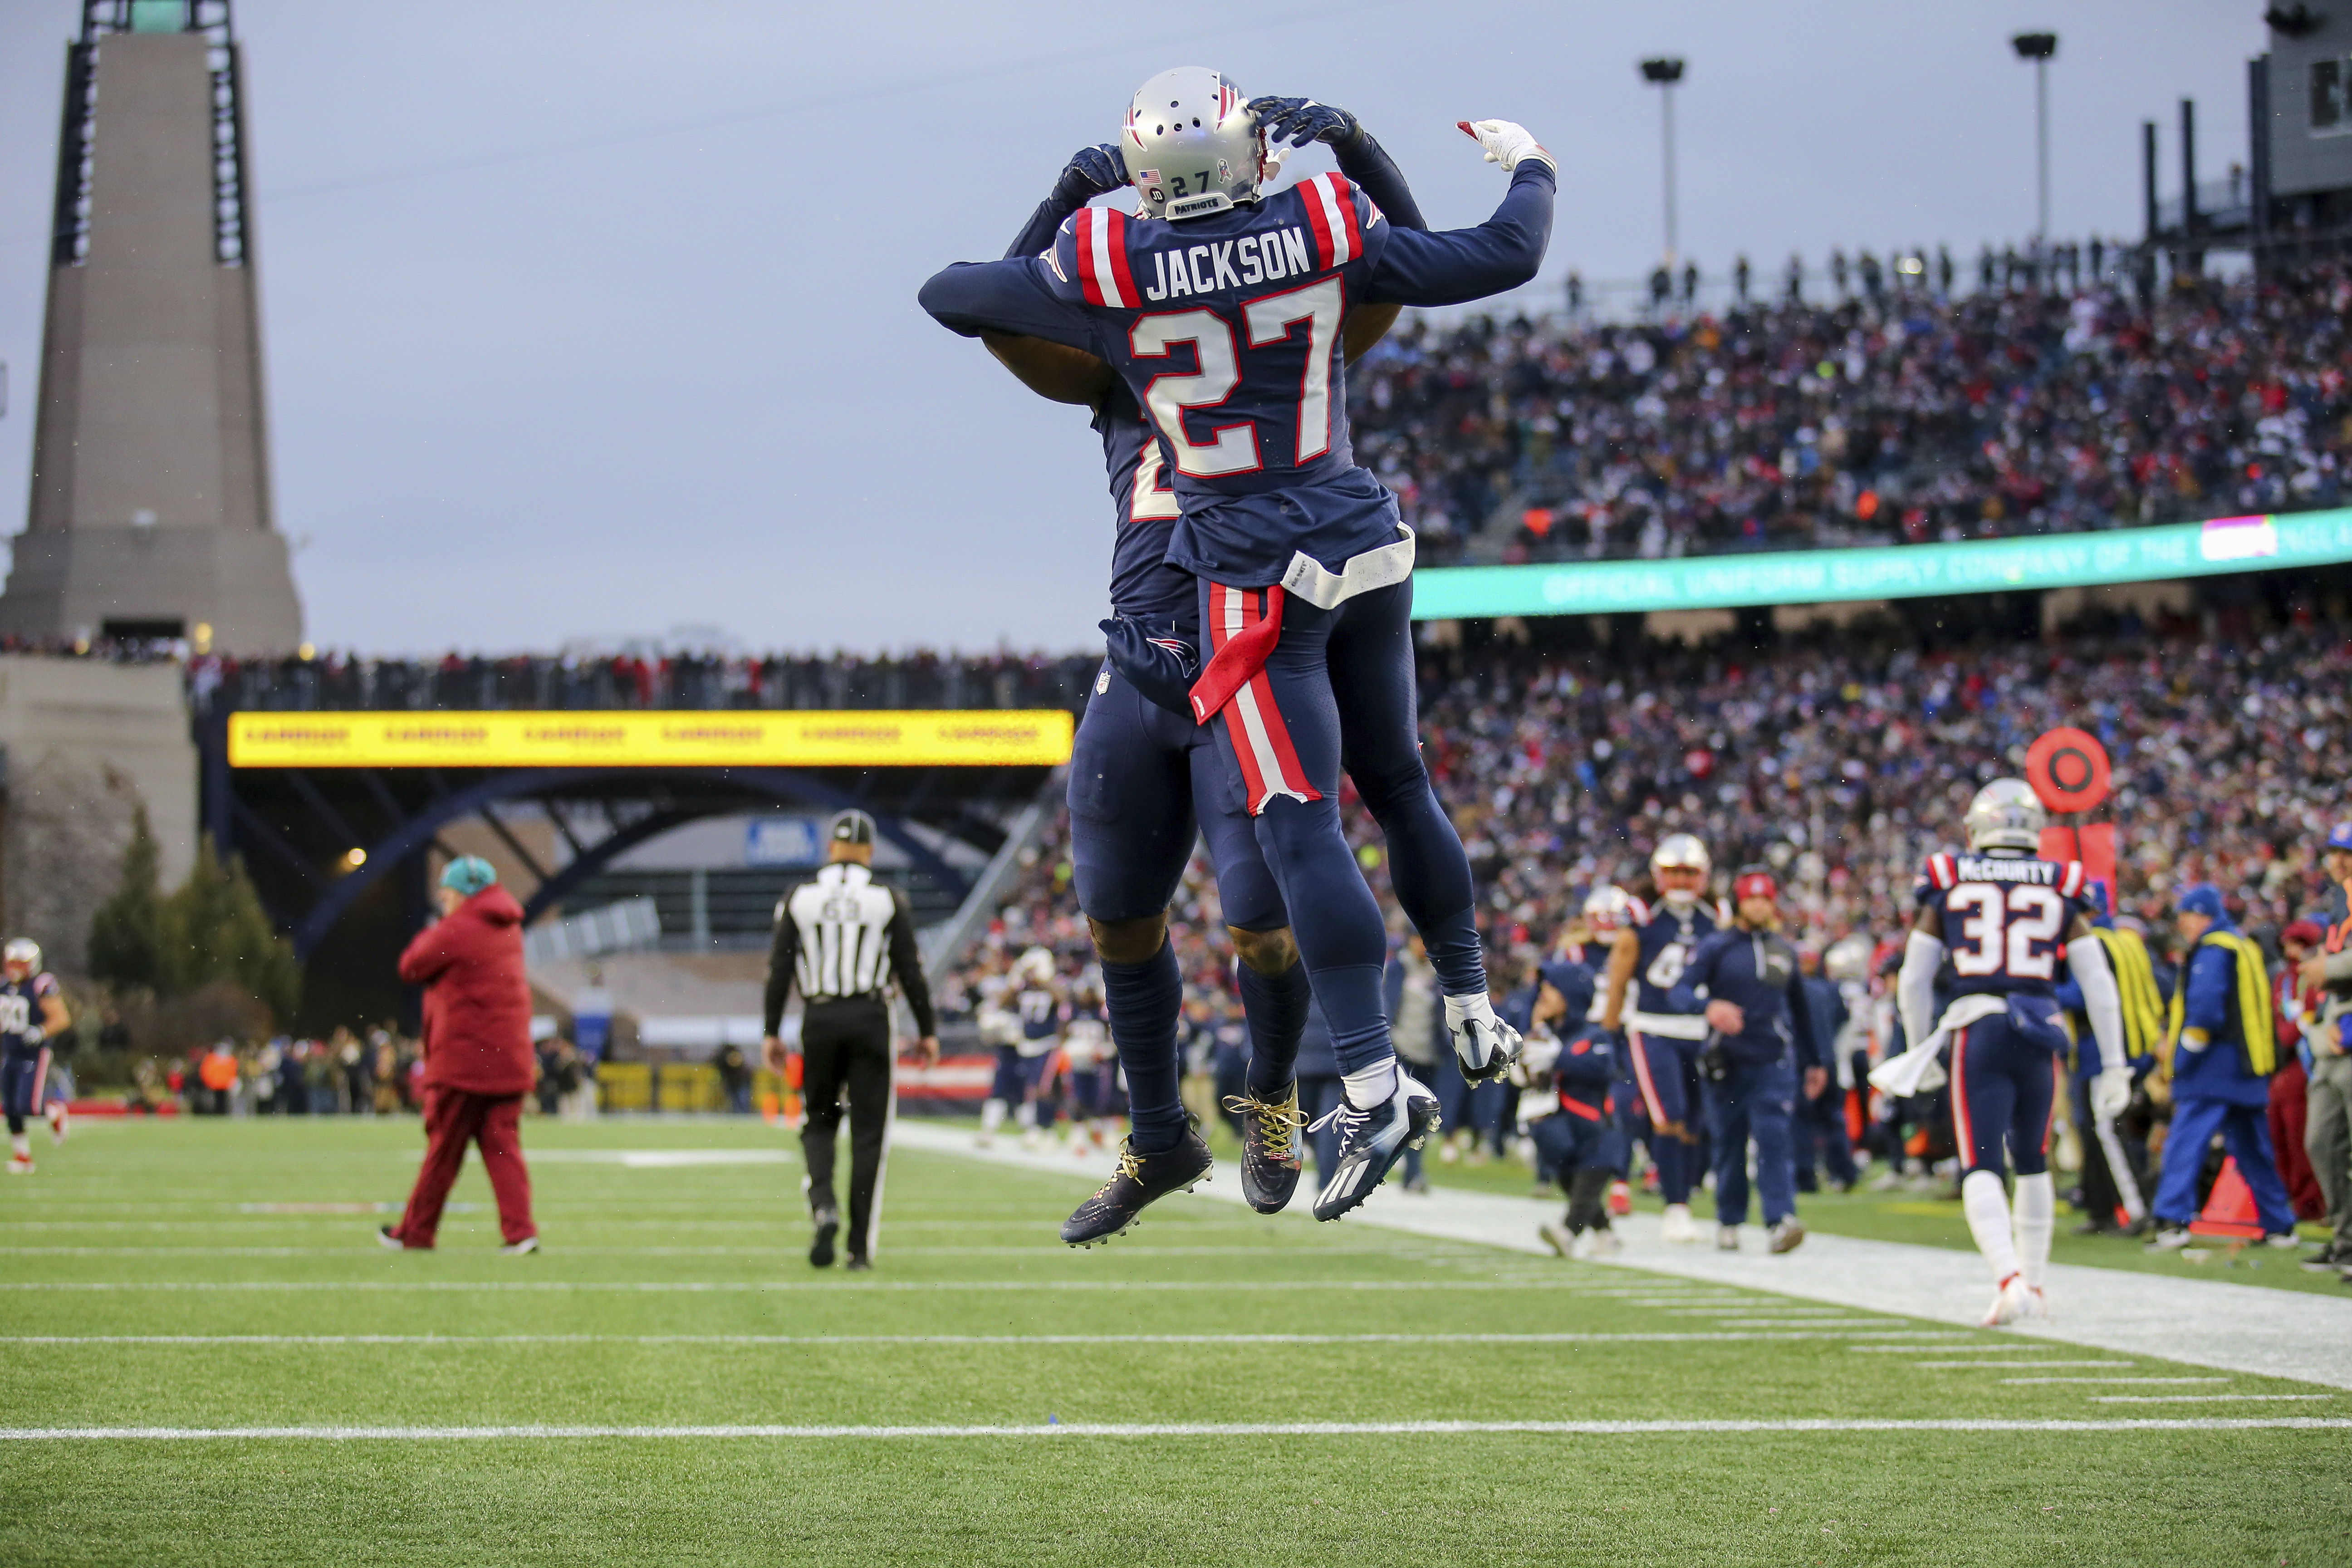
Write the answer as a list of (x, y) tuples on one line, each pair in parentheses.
[(1680, 852), (1035, 965), (1191, 146), (1848, 958), (23, 949), (1609, 908), (2005, 814)]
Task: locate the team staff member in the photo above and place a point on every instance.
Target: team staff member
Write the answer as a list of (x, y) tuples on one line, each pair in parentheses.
[(2112, 1168), (2328, 1098), (842, 937), (1762, 1033), (478, 1063)]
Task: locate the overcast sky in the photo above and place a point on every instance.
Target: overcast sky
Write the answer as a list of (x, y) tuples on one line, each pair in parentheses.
[(596, 319)]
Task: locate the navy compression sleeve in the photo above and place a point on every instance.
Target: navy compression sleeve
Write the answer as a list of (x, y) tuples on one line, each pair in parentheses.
[(1004, 296), (1367, 162), (1458, 265)]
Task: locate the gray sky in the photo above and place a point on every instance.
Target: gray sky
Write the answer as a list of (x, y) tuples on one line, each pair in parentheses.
[(594, 320)]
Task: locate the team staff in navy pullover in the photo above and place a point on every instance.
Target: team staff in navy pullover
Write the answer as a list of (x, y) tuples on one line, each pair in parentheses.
[(1763, 1033), (2223, 1052), (1227, 328)]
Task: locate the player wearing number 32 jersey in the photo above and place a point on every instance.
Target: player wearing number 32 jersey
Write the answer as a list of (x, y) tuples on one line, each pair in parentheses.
[(1226, 322), (2005, 926)]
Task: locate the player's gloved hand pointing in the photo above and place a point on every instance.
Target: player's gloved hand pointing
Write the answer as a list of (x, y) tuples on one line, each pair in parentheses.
[(1506, 143), (1161, 667), (1298, 120), (1091, 173)]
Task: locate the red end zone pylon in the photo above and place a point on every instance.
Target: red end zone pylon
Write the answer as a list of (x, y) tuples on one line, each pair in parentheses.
[(2230, 1211)]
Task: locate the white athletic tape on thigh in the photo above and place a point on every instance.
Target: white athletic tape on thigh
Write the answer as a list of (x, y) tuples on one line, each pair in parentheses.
[(1310, 580)]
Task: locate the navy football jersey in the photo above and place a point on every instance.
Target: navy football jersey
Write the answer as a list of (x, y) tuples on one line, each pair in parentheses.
[(20, 1008), (1143, 586), (1040, 1012), (1668, 938), (1227, 330), (2005, 919)]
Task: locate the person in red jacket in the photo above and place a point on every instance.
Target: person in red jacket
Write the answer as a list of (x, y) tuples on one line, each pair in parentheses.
[(478, 1062)]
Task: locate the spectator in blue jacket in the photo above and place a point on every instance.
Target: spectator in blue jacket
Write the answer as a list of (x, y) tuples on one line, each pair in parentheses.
[(2223, 1053)]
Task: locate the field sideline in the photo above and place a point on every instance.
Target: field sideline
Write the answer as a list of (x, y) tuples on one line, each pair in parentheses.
[(212, 1362)]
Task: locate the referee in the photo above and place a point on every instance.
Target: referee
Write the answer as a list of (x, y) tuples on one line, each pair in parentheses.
[(842, 937)]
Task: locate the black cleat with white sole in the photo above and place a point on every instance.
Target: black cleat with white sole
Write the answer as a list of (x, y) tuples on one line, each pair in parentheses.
[(1371, 1142), (1485, 1046), (1270, 1153), (1140, 1180)]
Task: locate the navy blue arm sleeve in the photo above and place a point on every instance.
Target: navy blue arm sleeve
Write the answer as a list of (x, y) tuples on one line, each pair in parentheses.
[(1036, 236), (1367, 163), (1004, 296), (1460, 265)]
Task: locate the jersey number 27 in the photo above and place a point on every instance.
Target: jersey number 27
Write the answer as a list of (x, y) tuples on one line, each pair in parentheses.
[(1269, 320), (2011, 931)]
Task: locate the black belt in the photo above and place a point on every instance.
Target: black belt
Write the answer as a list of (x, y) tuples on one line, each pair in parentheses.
[(874, 997)]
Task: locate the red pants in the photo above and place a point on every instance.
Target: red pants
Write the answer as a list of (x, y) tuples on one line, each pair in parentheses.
[(2286, 1114), (453, 1118)]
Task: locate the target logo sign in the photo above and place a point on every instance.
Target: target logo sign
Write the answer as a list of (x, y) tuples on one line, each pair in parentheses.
[(2068, 769)]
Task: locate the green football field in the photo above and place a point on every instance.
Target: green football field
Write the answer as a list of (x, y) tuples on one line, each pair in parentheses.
[(213, 1361)]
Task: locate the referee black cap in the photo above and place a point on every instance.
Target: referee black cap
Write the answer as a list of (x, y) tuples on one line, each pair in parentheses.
[(850, 827)]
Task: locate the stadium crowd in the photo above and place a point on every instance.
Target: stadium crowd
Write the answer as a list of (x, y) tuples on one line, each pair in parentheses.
[(1888, 415)]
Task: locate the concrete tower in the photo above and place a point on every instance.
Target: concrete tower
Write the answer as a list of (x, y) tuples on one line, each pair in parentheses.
[(151, 509)]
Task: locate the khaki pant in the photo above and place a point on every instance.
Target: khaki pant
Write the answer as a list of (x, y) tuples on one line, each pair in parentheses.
[(2328, 1138)]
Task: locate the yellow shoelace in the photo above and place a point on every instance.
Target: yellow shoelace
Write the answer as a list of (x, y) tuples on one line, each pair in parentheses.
[(1277, 1124), (1130, 1165)]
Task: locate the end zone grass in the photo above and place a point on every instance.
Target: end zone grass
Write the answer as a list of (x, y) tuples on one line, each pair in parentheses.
[(210, 1276)]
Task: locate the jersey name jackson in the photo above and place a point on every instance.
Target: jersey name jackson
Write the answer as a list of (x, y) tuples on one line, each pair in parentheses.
[(1229, 264)]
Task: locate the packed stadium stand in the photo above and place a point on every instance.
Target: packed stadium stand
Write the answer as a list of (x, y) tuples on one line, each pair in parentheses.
[(1887, 416)]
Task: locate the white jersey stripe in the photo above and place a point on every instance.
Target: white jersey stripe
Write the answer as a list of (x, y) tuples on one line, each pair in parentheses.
[(1342, 252), (1098, 260)]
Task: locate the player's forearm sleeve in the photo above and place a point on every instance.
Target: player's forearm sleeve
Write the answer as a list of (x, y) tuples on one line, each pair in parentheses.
[(2102, 1003), (1005, 297), (907, 965), (781, 958), (1036, 236), (1367, 163), (1915, 988), (1459, 265)]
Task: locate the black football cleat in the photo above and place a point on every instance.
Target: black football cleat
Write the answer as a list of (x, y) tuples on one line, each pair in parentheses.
[(1371, 1142), (828, 1224), (1270, 1149), (1140, 1180)]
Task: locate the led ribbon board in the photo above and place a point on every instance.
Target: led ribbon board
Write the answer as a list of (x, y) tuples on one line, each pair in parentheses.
[(669, 739), (1894, 572)]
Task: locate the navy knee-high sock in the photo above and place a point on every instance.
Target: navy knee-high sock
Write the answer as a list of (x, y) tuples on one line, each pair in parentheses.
[(1431, 873), (1275, 1007), (1342, 944), (1143, 1000)]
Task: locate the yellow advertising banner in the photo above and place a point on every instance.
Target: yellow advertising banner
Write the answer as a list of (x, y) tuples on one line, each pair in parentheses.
[(723, 737)]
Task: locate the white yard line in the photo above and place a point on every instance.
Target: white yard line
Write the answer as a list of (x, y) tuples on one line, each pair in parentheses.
[(1153, 1430), (1396, 1339), (696, 1287), (2007, 1365), (2236, 1328), (2200, 1398), (2033, 1380)]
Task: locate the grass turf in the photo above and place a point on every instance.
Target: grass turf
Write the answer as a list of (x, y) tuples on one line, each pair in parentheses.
[(211, 1230)]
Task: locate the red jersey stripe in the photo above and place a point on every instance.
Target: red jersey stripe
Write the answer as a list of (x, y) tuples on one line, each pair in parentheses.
[(1346, 194), (1310, 196), (1116, 244)]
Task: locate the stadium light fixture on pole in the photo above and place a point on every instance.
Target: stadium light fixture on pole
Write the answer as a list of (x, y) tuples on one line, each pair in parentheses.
[(1665, 72), (2039, 48)]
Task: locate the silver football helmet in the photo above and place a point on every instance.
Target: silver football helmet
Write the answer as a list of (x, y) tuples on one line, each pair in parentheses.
[(1191, 146), (23, 949), (1680, 852), (2005, 814), (1609, 908), (1848, 958)]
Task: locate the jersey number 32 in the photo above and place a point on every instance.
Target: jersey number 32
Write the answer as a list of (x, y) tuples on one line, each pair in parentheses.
[(2006, 930)]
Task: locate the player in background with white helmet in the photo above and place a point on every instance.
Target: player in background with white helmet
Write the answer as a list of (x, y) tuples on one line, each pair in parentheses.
[(1663, 1041), (2011, 926), (31, 1012)]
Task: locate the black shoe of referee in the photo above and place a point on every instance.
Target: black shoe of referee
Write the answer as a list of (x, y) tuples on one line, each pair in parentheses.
[(828, 1224), (1140, 1180)]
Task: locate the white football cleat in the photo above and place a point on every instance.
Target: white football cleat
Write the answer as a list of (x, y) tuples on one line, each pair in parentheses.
[(56, 1110), (2016, 1302), (1559, 1238), (18, 1165), (1678, 1226), (1484, 1046), (1602, 1243)]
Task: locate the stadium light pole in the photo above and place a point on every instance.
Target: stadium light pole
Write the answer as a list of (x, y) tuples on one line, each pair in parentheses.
[(1665, 71), (2039, 48)]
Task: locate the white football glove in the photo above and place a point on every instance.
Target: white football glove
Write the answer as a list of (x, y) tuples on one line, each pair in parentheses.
[(34, 1035), (1506, 143), (2111, 1092)]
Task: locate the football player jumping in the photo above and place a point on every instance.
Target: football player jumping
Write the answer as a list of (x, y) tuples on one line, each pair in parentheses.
[(1226, 322), (1142, 774), (2009, 924)]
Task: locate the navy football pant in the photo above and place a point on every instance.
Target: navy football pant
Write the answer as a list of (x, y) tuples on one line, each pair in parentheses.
[(1759, 1100), (1337, 693), (22, 1073), (1142, 782), (1666, 1070), (2002, 1088), (2246, 1133)]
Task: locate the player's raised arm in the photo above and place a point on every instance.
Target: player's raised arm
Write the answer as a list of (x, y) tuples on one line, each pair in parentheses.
[(1624, 953), (1299, 121), (1057, 372), (1018, 296), (1459, 265)]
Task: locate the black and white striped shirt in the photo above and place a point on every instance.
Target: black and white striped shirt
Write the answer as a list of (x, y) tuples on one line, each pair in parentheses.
[(842, 936)]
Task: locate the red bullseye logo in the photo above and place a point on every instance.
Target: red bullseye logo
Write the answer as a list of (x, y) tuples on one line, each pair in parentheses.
[(2068, 769)]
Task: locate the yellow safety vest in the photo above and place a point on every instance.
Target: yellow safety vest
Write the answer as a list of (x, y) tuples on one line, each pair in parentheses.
[(2251, 1007)]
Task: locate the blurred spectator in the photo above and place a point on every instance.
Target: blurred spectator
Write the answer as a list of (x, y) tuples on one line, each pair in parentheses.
[(2296, 943), (735, 1079)]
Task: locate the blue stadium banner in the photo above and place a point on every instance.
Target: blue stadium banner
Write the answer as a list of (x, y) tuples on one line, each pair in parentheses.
[(2223, 544)]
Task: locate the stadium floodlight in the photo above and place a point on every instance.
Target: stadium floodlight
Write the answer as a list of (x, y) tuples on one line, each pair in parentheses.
[(1663, 72), (2041, 48)]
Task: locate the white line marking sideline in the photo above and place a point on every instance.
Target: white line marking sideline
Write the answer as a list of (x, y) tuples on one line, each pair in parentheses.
[(1179, 1429), (2110, 1379), (2195, 1398), (2009, 1365), (1694, 1337)]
